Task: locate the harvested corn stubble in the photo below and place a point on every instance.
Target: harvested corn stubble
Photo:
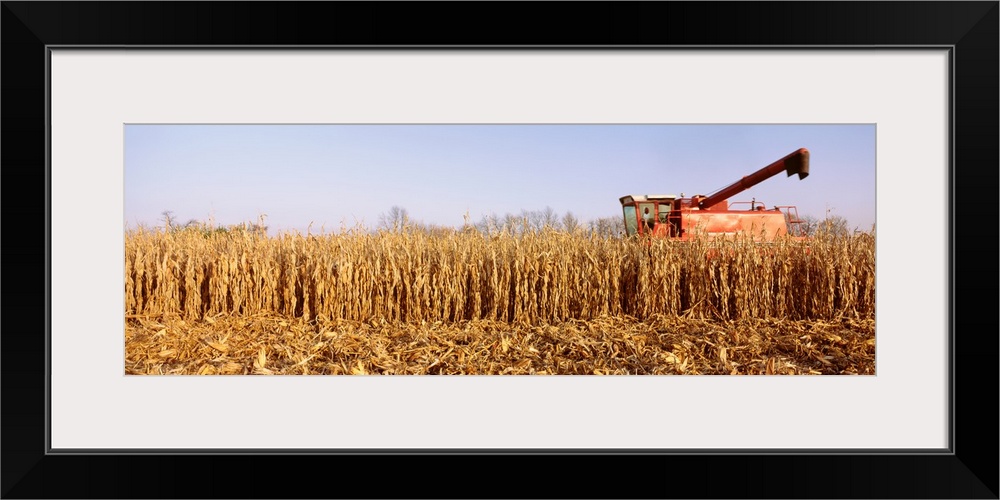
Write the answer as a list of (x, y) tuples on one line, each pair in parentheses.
[(661, 345)]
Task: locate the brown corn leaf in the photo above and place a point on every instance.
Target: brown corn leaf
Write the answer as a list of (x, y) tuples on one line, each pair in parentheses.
[(219, 347), (359, 370)]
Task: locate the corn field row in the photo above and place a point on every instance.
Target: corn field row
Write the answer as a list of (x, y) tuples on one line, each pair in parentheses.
[(536, 278)]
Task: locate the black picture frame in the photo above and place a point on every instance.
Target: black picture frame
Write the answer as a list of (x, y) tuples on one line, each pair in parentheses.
[(968, 470)]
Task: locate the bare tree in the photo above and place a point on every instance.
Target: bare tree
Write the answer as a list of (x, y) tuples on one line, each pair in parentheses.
[(530, 221), (570, 222), (396, 219), (833, 225), (168, 219), (809, 225), (607, 227), (549, 219), (489, 224), (511, 223)]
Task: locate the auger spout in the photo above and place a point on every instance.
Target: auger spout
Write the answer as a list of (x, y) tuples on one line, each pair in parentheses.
[(794, 163)]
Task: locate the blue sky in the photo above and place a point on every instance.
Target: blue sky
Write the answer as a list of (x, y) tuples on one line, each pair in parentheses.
[(333, 174)]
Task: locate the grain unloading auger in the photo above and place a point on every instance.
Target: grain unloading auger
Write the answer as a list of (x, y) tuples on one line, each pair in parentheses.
[(669, 216)]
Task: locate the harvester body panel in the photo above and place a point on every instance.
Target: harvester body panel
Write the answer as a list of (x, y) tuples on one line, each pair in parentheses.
[(765, 224)]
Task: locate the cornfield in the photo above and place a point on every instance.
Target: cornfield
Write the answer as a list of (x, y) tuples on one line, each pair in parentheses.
[(493, 291)]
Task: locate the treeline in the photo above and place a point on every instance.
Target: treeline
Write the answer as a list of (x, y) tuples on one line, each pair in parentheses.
[(208, 228), (397, 219)]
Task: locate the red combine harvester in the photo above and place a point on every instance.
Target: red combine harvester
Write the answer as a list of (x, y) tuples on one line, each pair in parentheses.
[(669, 216)]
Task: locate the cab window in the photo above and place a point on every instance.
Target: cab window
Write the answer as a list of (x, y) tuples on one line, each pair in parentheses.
[(663, 210), (647, 212), (630, 223)]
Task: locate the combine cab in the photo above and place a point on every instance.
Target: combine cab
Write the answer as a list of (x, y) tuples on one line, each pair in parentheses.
[(669, 216)]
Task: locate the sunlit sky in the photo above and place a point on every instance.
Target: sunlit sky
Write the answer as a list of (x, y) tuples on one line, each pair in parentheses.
[(334, 175)]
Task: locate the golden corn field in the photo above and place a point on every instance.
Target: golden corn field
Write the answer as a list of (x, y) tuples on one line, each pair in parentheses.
[(239, 302)]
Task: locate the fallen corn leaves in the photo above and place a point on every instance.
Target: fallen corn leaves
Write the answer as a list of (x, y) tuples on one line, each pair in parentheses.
[(265, 344)]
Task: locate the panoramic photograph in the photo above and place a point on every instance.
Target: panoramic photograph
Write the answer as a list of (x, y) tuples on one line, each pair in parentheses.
[(499, 249)]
